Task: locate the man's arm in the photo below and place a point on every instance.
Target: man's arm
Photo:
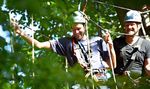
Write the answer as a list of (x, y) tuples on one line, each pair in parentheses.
[(147, 66), (111, 50), (112, 54), (38, 44)]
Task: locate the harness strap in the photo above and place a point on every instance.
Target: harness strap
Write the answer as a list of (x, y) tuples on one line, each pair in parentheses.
[(83, 51), (81, 57), (134, 53), (138, 46)]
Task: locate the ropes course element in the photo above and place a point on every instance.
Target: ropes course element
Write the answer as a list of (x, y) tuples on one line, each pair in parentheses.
[(33, 57), (12, 36)]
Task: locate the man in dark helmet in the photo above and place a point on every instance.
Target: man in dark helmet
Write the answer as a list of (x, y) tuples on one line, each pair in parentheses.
[(75, 48), (133, 51)]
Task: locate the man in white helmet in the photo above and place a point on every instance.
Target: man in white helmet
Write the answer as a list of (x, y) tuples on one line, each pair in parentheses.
[(75, 48), (133, 51)]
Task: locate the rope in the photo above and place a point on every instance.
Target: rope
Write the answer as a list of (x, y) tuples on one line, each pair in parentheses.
[(32, 43), (145, 12), (112, 68), (33, 57), (88, 43), (110, 58), (79, 6), (84, 6), (12, 36)]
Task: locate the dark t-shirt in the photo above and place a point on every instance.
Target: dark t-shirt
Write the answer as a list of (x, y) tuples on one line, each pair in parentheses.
[(66, 47), (124, 53)]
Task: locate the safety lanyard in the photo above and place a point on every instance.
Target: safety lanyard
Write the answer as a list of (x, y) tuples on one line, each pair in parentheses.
[(83, 51)]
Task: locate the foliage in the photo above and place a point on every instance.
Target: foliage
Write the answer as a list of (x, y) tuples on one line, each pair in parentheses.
[(17, 71)]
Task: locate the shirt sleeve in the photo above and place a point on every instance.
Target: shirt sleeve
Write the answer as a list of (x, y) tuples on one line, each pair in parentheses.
[(58, 46), (147, 48), (105, 54)]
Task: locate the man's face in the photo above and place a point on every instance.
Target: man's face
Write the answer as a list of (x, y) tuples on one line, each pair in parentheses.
[(78, 31), (131, 28)]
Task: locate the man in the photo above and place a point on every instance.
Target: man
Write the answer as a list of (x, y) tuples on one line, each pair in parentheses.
[(92, 57), (133, 51)]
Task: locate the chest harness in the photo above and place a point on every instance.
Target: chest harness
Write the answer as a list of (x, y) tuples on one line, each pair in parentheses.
[(136, 48), (83, 58)]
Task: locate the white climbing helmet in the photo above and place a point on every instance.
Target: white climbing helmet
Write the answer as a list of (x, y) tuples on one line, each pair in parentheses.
[(78, 17), (133, 16)]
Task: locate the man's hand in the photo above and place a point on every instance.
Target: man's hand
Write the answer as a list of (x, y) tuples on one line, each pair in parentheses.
[(15, 26), (108, 39)]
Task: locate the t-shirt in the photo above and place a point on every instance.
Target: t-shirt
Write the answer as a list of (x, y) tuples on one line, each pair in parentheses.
[(126, 51), (77, 51)]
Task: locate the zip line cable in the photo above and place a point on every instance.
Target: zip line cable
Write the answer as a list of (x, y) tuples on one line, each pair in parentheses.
[(113, 5)]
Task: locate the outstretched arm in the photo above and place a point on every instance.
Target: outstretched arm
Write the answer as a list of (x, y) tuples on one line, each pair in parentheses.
[(38, 44)]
